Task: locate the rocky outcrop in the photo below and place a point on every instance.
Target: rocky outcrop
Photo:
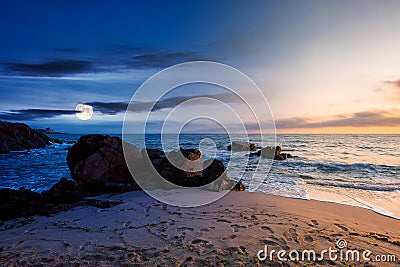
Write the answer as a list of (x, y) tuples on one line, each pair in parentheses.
[(98, 165), (19, 136), (242, 146), (267, 152), (97, 161), (190, 172), (183, 167), (64, 195), (279, 155)]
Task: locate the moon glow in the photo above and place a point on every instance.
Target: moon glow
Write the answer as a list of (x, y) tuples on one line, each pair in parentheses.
[(85, 112)]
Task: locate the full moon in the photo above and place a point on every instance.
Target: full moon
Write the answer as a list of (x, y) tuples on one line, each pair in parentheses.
[(85, 111)]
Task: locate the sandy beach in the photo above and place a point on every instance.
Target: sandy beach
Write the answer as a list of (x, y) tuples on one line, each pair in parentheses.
[(140, 231)]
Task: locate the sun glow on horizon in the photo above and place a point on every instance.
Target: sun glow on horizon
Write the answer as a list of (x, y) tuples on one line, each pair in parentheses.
[(342, 130)]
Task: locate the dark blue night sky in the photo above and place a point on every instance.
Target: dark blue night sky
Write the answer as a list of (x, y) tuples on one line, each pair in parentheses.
[(56, 54)]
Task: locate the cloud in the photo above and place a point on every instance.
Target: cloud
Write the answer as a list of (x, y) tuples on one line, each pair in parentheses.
[(392, 90), (114, 59), (395, 83), (157, 59), (50, 68), (112, 108), (358, 119), (33, 114), (149, 57)]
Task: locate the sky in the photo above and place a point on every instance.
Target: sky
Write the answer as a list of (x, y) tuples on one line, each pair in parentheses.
[(323, 66)]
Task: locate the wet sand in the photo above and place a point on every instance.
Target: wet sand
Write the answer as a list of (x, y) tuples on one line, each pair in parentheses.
[(141, 231)]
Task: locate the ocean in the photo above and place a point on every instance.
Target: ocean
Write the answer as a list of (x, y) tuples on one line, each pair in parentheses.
[(358, 170)]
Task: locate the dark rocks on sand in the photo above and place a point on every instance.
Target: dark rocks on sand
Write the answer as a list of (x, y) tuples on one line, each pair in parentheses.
[(239, 186), (24, 202), (187, 169), (214, 169), (215, 175), (19, 136), (188, 160), (64, 195), (225, 184), (17, 203), (97, 161), (65, 191), (183, 167)]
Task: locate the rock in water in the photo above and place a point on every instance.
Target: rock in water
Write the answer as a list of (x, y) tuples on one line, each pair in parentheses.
[(98, 160), (278, 155), (268, 152), (273, 153), (19, 136), (242, 146)]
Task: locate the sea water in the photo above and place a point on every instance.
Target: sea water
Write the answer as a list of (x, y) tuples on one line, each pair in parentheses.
[(360, 170)]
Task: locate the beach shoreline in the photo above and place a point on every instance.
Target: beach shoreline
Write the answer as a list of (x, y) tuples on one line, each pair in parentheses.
[(142, 231), (383, 203)]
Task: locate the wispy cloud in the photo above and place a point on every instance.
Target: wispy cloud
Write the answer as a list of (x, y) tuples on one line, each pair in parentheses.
[(358, 119), (157, 59), (50, 68), (392, 90), (395, 83), (33, 114), (112, 108), (114, 59)]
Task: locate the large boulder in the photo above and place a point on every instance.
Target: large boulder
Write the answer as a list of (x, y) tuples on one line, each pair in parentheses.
[(214, 169), (186, 169), (98, 161), (215, 176), (183, 167), (19, 136)]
